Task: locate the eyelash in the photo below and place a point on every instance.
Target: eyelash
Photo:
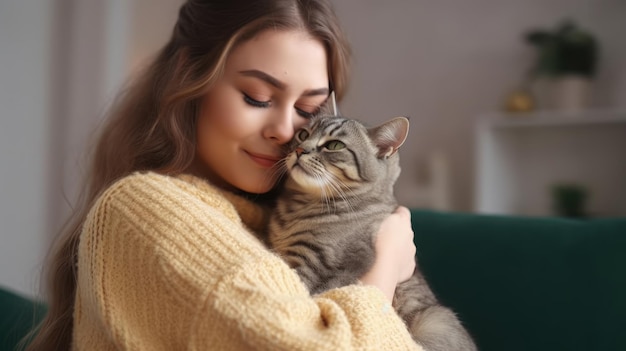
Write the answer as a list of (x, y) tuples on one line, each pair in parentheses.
[(255, 103), (309, 115), (265, 104)]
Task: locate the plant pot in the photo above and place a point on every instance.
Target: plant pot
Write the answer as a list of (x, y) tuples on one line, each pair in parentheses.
[(569, 200), (569, 93)]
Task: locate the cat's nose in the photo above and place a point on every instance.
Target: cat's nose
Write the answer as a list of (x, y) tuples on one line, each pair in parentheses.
[(300, 151)]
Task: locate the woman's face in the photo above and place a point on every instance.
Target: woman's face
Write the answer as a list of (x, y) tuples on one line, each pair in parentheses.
[(271, 86)]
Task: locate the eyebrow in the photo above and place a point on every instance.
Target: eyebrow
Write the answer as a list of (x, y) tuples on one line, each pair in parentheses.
[(280, 85)]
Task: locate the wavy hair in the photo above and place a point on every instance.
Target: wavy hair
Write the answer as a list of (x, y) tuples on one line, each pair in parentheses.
[(151, 126)]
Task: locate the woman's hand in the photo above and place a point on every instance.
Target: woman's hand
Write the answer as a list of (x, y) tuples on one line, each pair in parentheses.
[(395, 253)]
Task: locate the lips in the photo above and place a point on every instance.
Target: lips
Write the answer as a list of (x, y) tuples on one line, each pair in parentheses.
[(263, 160)]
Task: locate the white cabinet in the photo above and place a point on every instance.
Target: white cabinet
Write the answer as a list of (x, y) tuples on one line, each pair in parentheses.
[(520, 157)]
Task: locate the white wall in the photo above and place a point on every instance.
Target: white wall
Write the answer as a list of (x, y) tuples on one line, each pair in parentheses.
[(92, 62), (24, 139), (62, 62), (445, 63)]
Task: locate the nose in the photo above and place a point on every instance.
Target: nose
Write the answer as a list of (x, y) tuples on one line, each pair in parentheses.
[(300, 151), (280, 126)]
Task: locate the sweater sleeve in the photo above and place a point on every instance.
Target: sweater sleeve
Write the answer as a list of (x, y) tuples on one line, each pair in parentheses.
[(162, 267)]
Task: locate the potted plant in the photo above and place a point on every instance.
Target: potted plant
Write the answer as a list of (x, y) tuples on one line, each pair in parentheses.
[(569, 200), (566, 64)]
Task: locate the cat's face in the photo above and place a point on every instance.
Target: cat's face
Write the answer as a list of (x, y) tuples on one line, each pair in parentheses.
[(332, 155)]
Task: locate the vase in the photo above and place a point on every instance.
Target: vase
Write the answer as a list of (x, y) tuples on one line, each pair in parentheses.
[(569, 200), (571, 93), (568, 93)]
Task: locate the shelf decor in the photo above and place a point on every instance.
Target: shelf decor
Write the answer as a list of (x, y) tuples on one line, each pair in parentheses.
[(566, 64), (569, 200), (551, 162)]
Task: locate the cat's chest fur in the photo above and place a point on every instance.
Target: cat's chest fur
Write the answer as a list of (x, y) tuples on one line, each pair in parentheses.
[(329, 244)]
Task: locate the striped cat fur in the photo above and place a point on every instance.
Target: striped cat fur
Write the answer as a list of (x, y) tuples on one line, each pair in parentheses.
[(338, 190)]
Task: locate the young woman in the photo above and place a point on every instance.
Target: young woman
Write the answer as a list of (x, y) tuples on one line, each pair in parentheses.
[(163, 255)]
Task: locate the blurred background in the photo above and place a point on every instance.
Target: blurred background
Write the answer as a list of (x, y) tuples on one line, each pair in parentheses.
[(517, 107)]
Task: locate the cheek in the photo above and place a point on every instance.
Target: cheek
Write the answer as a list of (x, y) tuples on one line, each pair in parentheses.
[(219, 117)]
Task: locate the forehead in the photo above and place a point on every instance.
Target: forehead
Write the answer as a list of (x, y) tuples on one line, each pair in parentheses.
[(336, 127), (291, 56)]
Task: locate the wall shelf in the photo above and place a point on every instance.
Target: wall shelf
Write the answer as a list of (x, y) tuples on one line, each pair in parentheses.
[(556, 119), (519, 158)]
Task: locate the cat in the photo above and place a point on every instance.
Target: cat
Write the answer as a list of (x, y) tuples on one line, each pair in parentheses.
[(338, 190)]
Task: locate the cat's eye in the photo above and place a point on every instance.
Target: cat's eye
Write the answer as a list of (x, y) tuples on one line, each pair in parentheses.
[(334, 145), (302, 134)]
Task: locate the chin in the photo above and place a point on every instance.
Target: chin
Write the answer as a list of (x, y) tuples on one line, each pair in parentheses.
[(306, 182), (260, 186)]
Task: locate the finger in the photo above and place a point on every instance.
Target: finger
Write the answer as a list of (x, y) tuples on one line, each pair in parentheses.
[(403, 211)]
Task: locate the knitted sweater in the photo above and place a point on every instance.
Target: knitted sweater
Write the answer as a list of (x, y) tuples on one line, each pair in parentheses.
[(170, 263)]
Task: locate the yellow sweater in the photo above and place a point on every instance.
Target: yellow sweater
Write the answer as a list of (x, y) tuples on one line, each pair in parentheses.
[(169, 263)]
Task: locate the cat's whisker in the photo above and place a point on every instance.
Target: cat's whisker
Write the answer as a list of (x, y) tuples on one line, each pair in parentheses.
[(326, 196), (334, 189), (320, 176), (341, 189), (335, 184), (276, 172)]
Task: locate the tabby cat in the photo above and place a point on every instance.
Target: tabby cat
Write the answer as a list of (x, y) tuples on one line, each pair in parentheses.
[(338, 190)]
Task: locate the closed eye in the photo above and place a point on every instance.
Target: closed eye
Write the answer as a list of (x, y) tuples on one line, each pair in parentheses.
[(309, 115), (316, 111), (265, 104), (256, 103)]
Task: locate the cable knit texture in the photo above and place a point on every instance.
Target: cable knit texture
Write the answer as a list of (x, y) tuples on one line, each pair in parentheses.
[(171, 263)]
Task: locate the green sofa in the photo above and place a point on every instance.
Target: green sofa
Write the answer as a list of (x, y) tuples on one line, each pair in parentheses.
[(528, 283), (18, 315), (516, 283)]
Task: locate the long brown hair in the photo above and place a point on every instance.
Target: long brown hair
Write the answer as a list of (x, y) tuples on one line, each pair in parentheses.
[(152, 124)]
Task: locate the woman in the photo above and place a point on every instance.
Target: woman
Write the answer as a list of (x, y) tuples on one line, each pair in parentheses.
[(163, 255)]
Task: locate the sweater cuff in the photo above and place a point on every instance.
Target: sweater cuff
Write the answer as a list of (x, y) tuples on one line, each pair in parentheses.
[(371, 316)]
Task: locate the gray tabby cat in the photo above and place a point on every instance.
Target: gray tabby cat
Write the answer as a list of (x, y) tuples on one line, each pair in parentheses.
[(339, 189)]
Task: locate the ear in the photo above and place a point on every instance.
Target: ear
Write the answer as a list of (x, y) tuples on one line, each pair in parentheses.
[(390, 135)]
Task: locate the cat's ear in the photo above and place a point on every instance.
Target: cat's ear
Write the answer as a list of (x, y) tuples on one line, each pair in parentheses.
[(390, 135)]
